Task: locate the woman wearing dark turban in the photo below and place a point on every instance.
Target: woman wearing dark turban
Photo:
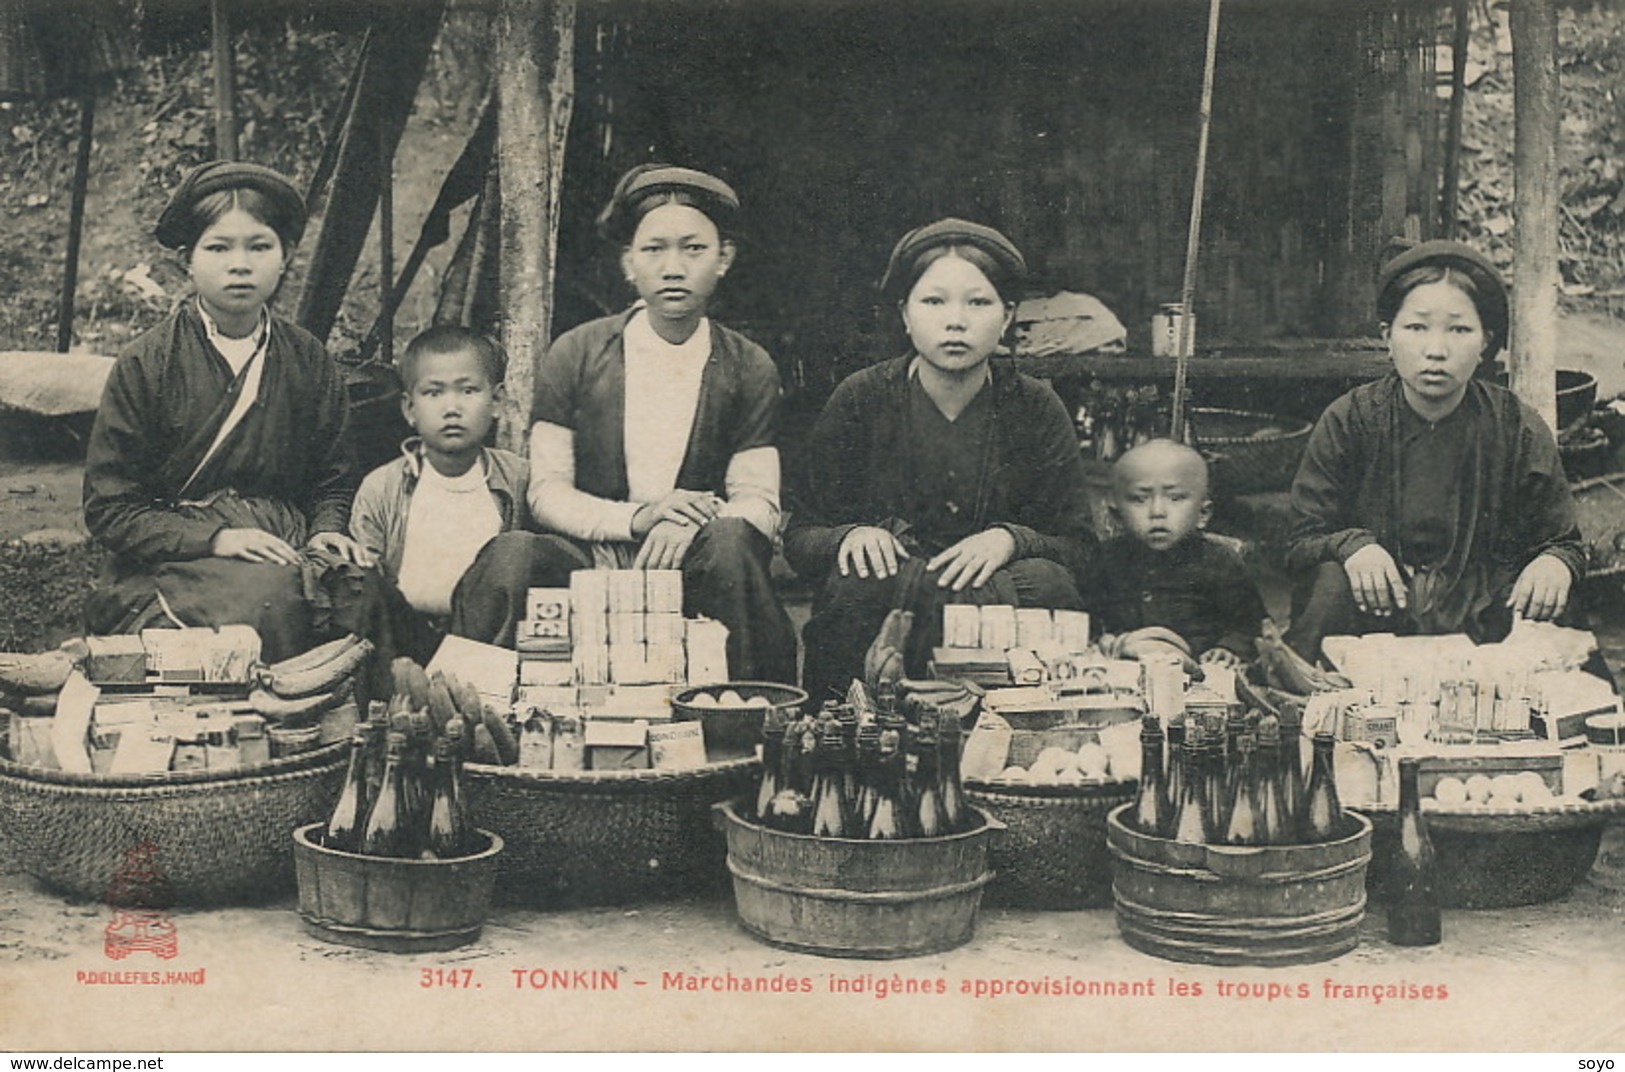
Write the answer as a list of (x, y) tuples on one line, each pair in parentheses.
[(218, 471), (942, 476), (1431, 501)]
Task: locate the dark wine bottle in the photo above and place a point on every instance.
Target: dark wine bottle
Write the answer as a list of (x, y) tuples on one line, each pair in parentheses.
[(1242, 823), (1413, 900), (1322, 810), (1174, 773), (1274, 826), (955, 809), (1191, 825), (889, 821), (869, 777), (831, 807), (1293, 783), (925, 786), (1152, 813), (1215, 784), (386, 832), (449, 834), (344, 825), (773, 726), (790, 809)]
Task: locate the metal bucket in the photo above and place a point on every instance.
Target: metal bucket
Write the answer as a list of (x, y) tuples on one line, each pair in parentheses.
[(842, 897), (1228, 905), (393, 905)]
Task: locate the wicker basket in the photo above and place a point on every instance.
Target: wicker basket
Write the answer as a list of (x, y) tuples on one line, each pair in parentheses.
[(1243, 459), (606, 837), (218, 838), (1053, 853), (1500, 858)]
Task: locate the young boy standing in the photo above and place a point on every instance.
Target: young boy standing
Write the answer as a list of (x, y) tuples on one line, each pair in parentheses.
[(1164, 570), (427, 516)]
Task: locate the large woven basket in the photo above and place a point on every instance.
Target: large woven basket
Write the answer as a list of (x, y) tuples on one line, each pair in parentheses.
[(1249, 452), (208, 838), (1053, 854), (1500, 858), (606, 837)]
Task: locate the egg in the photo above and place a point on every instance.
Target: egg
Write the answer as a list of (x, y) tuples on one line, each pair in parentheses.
[(730, 698), (1478, 788), (1013, 774), (1537, 792), (1451, 791), (1093, 760), (1051, 762), (758, 701), (703, 699), (1074, 776), (1506, 790)]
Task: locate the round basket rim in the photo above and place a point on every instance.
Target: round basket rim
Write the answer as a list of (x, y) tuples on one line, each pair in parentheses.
[(1298, 427), (689, 690), (300, 761), (603, 779)]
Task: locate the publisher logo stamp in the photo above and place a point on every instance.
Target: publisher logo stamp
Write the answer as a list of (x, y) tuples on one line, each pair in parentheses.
[(140, 897)]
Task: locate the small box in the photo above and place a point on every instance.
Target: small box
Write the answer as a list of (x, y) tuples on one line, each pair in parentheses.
[(551, 671), (626, 629), (1375, 725), (615, 745), (665, 662), (591, 664), (536, 742), (225, 656), (1024, 666), (253, 747), (143, 753), (961, 625), (555, 698), (1035, 627), (626, 592), (589, 594), (628, 703), (116, 660), (629, 665), (1072, 630), (543, 629), (663, 629), (31, 741), (663, 591), (543, 648), (548, 604), (998, 631), (705, 646), (678, 746)]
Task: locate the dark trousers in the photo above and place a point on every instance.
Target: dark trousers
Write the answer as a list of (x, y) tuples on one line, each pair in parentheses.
[(849, 611), (726, 576)]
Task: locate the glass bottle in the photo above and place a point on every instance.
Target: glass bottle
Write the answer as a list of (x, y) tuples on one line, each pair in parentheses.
[(1413, 901), (1191, 819), (847, 721), (449, 834), (344, 825), (889, 821), (1174, 772), (377, 731), (1274, 828), (773, 726), (925, 792), (1215, 788), (869, 777), (386, 832), (1293, 789), (1241, 824), (1152, 812), (955, 810), (790, 809), (1322, 811), (415, 770), (831, 807)]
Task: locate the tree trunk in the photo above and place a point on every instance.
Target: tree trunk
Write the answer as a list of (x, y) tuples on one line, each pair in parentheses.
[(535, 55), (1532, 358)]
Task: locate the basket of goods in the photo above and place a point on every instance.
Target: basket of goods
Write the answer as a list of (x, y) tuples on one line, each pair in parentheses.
[(179, 743), (1249, 452), (731, 715), (858, 840), (398, 866), (1508, 780), (609, 799), (1229, 855)]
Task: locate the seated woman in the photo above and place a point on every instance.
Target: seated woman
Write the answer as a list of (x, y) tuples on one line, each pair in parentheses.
[(942, 476), (1431, 501), (653, 442), (218, 472)]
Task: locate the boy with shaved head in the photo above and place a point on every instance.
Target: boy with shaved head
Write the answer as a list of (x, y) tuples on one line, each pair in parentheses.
[(1163, 570)]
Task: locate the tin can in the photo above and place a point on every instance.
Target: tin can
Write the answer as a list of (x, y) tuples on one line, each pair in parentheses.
[(1606, 735), (1166, 326), (1162, 683)]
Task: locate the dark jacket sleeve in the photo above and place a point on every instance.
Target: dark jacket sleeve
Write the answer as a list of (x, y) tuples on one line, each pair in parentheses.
[(1323, 493), (1237, 606), (334, 476), (1052, 521), (123, 510), (755, 420), (1544, 508), (825, 500)]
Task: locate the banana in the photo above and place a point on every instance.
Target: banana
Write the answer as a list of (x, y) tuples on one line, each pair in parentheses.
[(300, 711), (310, 678), (441, 707), (507, 747), (410, 681), (1289, 671), (35, 674), (485, 749)]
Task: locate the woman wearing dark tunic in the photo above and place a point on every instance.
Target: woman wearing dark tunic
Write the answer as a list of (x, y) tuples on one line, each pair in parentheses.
[(219, 456), (1431, 501), (942, 476)]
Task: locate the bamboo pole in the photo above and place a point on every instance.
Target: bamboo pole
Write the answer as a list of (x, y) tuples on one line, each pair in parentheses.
[(1532, 358), (1450, 195), (76, 221), (225, 82), (535, 56), (1193, 238)]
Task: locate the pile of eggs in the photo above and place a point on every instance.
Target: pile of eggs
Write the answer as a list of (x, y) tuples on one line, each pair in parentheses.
[(1480, 790), (1062, 766), (727, 698)]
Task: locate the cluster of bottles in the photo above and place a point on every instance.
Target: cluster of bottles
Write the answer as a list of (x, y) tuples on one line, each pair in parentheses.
[(1242, 783), (403, 794), (1110, 419), (1413, 899), (871, 768)]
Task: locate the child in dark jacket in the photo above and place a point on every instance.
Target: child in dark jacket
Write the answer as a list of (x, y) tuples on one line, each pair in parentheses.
[(1164, 570)]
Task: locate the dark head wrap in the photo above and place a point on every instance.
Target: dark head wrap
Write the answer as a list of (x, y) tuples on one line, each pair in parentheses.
[(1491, 297), (900, 268), (176, 226), (648, 183)]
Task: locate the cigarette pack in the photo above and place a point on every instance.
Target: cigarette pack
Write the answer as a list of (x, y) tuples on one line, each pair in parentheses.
[(555, 698), (1072, 630), (663, 591), (550, 671), (543, 648), (589, 606), (628, 703), (116, 660), (547, 604), (663, 629), (1035, 627), (224, 656), (626, 628), (998, 631), (705, 643), (613, 745), (591, 663), (980, 666), (961, 626), (543, 629), (252, 745), (626, 592), (677, 746), (1378, 726), (1025, 668)]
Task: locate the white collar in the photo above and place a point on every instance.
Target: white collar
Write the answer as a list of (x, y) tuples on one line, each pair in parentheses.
[(223, 341), (640, 335)]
